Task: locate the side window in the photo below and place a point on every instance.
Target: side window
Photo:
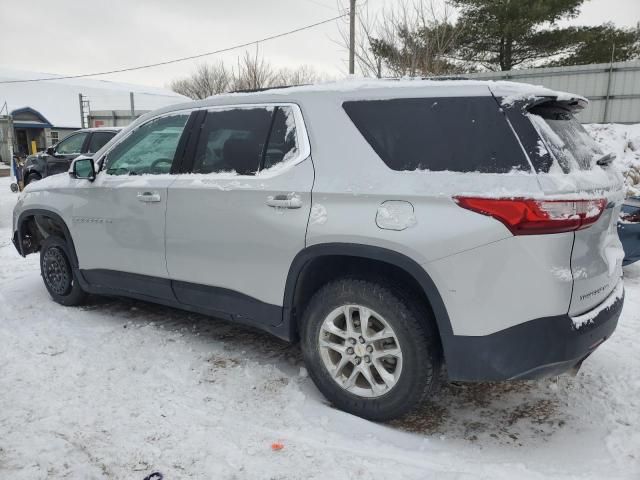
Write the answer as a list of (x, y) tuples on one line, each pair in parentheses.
[(246, 140), (72, 144), (460, 134), (149, 149), (282, 144), (99, 140)]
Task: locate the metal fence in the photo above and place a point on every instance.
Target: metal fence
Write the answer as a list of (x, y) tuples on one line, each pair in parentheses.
[(612, 89)]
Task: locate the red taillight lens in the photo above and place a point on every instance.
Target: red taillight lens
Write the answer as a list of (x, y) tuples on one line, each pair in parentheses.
[(525, 216)]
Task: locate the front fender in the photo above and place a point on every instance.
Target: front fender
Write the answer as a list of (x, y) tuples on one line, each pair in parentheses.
[(31, 212)]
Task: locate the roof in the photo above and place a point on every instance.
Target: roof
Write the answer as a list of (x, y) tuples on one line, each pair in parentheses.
[(57, 100), (372, 89), (102, 129), (353, 84)]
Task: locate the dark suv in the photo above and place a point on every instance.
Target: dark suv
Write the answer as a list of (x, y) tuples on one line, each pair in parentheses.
[(58, 158)]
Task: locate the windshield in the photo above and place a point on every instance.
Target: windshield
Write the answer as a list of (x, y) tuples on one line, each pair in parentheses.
[(565, 138)]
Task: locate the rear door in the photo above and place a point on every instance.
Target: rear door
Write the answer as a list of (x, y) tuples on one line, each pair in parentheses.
[(238, 219), (596, 258)]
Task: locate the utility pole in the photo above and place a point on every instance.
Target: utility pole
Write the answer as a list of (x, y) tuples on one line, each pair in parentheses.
[(81, 110), (352, 36), (85, 110), (133, 107)]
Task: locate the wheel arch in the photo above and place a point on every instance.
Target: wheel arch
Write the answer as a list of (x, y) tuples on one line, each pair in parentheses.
[(30, 219), (324, 262)]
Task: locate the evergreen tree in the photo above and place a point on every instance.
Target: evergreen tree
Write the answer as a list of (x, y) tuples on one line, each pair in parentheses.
[(503, 34)]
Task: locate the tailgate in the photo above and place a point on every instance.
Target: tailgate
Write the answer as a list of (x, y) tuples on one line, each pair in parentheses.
[(578, 169), (596, 260)]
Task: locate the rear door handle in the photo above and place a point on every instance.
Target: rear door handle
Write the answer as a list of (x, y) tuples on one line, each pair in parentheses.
[(148, 197), (284, 201)]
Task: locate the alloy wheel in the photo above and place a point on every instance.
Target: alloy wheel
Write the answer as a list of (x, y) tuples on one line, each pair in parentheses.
[(360, 351)]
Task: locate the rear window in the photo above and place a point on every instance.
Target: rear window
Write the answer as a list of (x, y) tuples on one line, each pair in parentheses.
[(565, 138), (461, 134)]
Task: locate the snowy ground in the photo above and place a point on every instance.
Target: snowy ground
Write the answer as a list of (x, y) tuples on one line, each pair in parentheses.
[(120, 388)]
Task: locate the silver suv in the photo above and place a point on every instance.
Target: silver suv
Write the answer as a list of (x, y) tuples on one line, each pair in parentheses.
[(392, 227)]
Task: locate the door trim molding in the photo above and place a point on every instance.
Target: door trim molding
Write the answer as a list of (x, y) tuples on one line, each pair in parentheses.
[(216, 302)]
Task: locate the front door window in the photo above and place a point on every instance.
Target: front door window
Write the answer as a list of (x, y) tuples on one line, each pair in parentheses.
[(71, 145), (148, 150)]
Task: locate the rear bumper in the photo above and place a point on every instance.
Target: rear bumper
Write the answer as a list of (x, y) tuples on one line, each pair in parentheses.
[(538, 348)]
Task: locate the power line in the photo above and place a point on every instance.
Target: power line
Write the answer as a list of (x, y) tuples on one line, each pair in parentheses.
[(181, 59), (321, 4)]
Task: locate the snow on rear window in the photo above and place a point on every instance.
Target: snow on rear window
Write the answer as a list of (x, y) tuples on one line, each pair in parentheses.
[(565, 138)]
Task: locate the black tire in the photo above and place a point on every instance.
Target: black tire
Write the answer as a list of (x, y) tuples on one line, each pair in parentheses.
[(57, 273), (32, 177), (414, 329)]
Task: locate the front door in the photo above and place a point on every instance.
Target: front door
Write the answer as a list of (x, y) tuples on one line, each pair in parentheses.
[(65, 152), (235, 224), (119, 220)]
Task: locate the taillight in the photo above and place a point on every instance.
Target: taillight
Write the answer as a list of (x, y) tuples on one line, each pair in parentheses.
[(525, 216)]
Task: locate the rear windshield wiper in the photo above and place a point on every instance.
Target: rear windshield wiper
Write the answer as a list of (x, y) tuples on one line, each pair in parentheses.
[(606, 159)]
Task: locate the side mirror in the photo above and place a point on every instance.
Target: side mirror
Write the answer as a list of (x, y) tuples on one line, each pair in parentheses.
[(83, 168), (51, 151)]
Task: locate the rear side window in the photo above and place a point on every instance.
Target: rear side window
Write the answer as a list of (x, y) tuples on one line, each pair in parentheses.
[(565, 138), (246, 140), (461, 134), (99, 140)]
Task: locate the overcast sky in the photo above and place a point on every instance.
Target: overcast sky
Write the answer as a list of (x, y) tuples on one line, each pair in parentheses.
[(80, 36)]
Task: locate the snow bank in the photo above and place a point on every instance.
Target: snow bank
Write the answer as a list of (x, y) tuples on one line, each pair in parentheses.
[(624, 141)]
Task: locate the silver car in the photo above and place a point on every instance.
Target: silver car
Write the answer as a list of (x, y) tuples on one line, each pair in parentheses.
[(392, 227)]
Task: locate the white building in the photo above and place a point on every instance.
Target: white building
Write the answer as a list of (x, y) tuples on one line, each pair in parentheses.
[(45, 112)]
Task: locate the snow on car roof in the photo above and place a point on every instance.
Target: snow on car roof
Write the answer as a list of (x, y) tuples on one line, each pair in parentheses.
[(102, 129), (499, 88), (372, 88)]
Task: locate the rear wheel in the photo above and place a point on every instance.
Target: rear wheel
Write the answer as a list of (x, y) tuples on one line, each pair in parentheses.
[(57, 273), (368, 350)]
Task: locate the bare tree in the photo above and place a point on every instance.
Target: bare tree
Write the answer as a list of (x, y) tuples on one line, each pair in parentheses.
[(206, 80), (413, 37), (369, 62), (252, 72), (302, 75)]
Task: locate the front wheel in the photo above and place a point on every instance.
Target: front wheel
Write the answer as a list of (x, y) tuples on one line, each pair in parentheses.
[(370, 351), (57, 273)]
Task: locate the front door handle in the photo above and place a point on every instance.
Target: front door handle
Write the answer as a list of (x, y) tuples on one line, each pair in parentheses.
[(148, 197), (284, 201)]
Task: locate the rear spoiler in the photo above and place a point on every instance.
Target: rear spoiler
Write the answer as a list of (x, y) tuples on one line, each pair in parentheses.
[(571, 103)]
